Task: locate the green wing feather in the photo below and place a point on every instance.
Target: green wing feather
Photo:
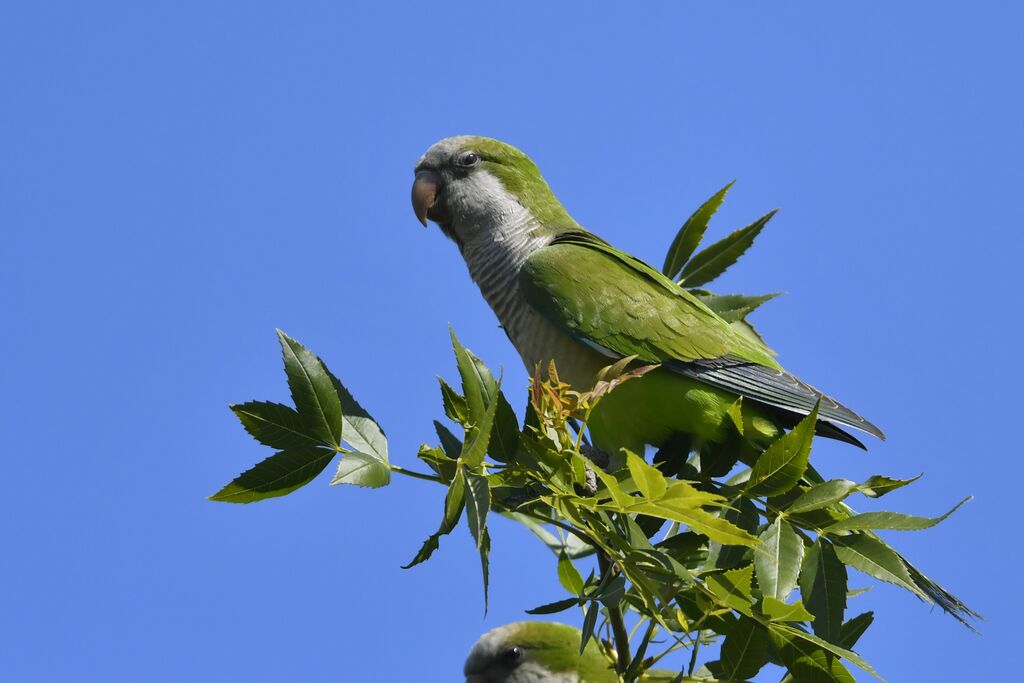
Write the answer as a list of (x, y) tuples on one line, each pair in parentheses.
[(621, 306)]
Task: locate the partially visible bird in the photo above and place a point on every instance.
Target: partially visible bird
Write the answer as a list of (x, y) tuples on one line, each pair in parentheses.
[(562, 293), (537, 652)]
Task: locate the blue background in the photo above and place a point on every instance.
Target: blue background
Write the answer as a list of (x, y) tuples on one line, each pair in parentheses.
[(178, 180)]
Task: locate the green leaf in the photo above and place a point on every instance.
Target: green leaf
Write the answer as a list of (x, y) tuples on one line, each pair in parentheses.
[(278, 475), (572, 546), (733, 588), (359, 429), (807, 662), (647, 478), (274, 425), (362, 469), (589, 622), (777, 610), (877, 485), (478, 384), (778, 566), (714, 260), (875, 558), (715, 528), (478, 504), (853, 629), (690, 235), (894, 521), (554, 607), (822, 495), (450, 443), (478, 438), (485, 564), (744, 651), (454, 403), (798, 635), (744, 515), (568, 575), (781, 466), (454, 501), (823, 588), (735, 413), (733, 307), (312, 391), (505, 434)]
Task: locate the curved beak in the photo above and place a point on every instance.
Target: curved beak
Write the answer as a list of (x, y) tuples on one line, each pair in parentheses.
[(424, 194)]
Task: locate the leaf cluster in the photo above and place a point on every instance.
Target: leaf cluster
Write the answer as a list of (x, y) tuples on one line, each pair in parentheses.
[(754, 556)]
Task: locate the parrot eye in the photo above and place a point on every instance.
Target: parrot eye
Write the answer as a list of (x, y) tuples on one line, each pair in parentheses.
[(513, 654), (468, 159)]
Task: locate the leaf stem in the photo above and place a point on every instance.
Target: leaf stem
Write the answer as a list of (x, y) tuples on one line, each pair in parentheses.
[(416, 475)]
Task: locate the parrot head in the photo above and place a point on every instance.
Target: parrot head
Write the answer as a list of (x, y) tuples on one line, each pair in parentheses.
[(469, 184), (536, 652)]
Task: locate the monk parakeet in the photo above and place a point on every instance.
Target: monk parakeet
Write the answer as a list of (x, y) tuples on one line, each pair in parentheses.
[(537, 652), (562, 293)]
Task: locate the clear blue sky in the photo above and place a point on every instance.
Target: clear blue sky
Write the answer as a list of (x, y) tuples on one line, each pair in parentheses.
[(177, 181)]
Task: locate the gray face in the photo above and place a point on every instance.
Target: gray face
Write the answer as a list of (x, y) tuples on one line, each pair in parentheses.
[(455, 189), (494, 658)]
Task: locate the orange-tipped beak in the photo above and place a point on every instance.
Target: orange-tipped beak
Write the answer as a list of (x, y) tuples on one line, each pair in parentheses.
[(424, 194)]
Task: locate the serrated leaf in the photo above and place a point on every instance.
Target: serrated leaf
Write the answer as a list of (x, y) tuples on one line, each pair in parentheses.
[(715, 528), (478, 438), (568, 575), (744, 515), (274, 425), (278, 475), (805, 661), (648, 479), (822, 495), (777, 610), (478, 504), (744, 651), (848, 655), (455, 407), (853, 629), (554, 607), (362, 469), (778, 567), (735, 413), (783, 463), (505, 433), (359, 429), (823, 585), (716, 259), (875, 558), (312, 391), (690, 235), (893, 521), (733, 588), (877, 485), (733, 307)]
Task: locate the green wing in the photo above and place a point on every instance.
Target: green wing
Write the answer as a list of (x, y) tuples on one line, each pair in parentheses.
[(620, 306)]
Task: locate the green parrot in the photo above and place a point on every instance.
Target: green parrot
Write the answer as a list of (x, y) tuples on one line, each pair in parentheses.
[(562, 293), (537, 652)]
